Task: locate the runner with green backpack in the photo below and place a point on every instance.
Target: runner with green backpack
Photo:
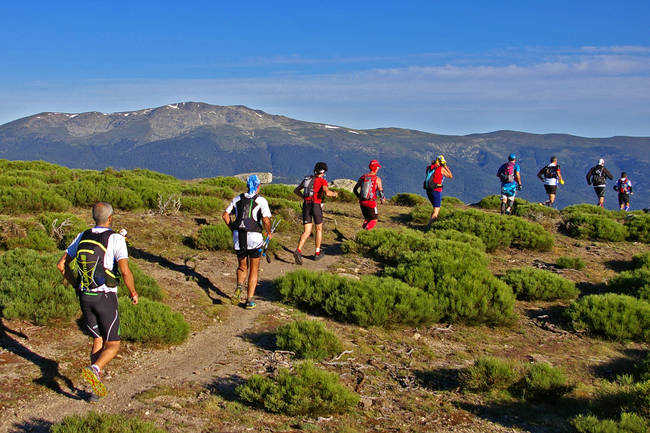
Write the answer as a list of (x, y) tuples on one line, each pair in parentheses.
[(313, 189)]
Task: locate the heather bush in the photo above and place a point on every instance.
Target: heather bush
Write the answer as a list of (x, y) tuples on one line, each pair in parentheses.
[(490, 202), (588, 209), (344, 196), (215, 237), (62, 227), (614, 316), (279, 191), (201, 205), (16, 200), (407, 199), (422, 213), (543, 382), (308, 339), (103, 423), (277, 204), (614, 398), (497, 231), (151, 322), (144, 284), (595, 227), (534, 211), (368, 301), (634, 283), (628, 423), (566, 262), (451, 201), (489, 374), (537, 284), (641, 260), (454, 235), (229, 182), (306, 391), (24, 233), (31, 288), (638, 228)]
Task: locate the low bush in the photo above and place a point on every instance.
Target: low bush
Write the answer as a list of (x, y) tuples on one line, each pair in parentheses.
[(638, 228), (31, 288), (144, 284), (24, 233), (454, 235), (641, 260), (368, 301), (595, 227), (566, 262), (497, 231), (344, 196), (421, 214), (634, 283), (451, 201), (103, 423), (614, 398), (407, 199), (202, 205), (279, 191), (308, 339), (537, 284), (534, 211), (151, 322), (588, 209), (214, 237), (614, 316), (490, 202), (62, 227), (277, 204), (489, 374), (543, 381), (643, 369), (628, 423), (307, 391), (229, 182), (17, 200)]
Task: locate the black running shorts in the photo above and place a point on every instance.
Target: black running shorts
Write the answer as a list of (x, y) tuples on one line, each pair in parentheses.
[(550, 189), (369, 213), (623, 199), (600, 191), (312, 211), (253, 254), (100, 314)]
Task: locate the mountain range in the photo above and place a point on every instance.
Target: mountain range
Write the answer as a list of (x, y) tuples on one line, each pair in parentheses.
[(192, 140)]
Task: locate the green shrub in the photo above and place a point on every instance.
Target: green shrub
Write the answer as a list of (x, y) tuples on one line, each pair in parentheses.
[(368, 301), (228, 182), (103, 423), (628, 423), (24, 233), (31, 288), (534, 211), (613, 316), (277, 204), (308, 339), (407, 199), (214, 237), (566, 262), (592, 226), (69, 227), (634, 283), (544, 382), (613, 398), (307, 391), (533, 284), (490, 202), (588, 209), (151, 322), (421, 214), (488, 374), (451, 201), (343, 196), (279, 191), (201, 205), (638, 228), (31, 200), (641, 260), (144, 284), (643, 369), (454, 235)]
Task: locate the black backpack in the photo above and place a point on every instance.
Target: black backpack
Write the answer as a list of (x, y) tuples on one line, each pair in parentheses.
[(245, 221), (550, 171), (307, 185), (89, 260), (598, 177)]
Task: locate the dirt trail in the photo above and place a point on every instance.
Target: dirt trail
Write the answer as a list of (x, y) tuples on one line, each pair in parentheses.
[(212, 353)]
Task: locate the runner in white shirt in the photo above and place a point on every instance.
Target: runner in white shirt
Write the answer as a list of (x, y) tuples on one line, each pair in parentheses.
[(251, 213)]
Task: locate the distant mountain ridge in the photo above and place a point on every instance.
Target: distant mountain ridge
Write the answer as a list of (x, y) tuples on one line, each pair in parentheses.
[(194, 139)]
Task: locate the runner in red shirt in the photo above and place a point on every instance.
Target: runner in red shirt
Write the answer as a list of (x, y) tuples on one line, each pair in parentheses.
[(312, 189), (367, 189), (436, 172)]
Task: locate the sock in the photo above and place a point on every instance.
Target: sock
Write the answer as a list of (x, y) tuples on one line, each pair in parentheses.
[(371, 224), (299, 250), (317, 251)]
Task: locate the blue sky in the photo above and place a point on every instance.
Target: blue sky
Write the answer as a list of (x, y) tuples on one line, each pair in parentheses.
[(580, 67)]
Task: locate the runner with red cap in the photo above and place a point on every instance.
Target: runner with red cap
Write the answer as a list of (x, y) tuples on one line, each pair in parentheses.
[(367, 190)]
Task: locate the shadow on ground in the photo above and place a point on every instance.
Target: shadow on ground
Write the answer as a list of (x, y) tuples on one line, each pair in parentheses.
[(225, 386), (49, 369), (263, 340), (442, 379), (189, 272), (32, 426), (622, 365)]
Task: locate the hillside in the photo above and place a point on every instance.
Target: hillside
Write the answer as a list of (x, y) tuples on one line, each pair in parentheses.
[(484, 323), (195, 140)]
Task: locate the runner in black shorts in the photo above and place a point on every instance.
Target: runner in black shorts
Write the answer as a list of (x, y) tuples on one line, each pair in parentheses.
[(600, 191), (369, 213), (312, 211), (550, 189), (253, 254), (100, 314)]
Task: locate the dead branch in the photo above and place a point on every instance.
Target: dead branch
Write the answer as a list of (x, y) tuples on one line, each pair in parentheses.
[(57, 230)]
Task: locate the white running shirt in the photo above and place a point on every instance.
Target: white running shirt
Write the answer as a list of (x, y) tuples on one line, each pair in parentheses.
[(253, 239)]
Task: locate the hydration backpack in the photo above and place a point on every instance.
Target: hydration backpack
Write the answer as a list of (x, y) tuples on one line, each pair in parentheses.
[(244, 220), (90, 261), (597, 177), (550, 171), (507, 172), (368, 187), (308, 186), (623, 186), (432, 180)]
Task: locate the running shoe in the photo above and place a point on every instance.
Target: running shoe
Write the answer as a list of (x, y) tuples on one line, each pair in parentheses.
[(89, 375), (250, 305), (297, 257), (93, 398), (235, 297), (317, 257)]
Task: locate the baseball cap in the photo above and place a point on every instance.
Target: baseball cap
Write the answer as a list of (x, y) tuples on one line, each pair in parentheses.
[(601, 161), (374, 164), (512, 157), (252, 183), (441, 160)]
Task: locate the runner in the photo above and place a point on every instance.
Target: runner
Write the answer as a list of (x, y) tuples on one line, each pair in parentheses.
[(367, 189), (251, 213), (551, 176), (597, 176), (95, 252), (435, 175), (312, 189), (510, 176), (624, 188)]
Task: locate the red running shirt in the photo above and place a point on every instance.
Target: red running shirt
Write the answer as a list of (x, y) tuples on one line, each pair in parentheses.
[(319, 183)]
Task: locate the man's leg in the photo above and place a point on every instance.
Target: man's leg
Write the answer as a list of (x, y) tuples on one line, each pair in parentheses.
[(504, 200), (107, 353), (318, 239), (98, 344), (242, 270), (551, 199), (252, 276), (305, 235)]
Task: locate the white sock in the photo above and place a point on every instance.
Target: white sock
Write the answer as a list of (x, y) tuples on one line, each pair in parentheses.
[(317, 250)]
